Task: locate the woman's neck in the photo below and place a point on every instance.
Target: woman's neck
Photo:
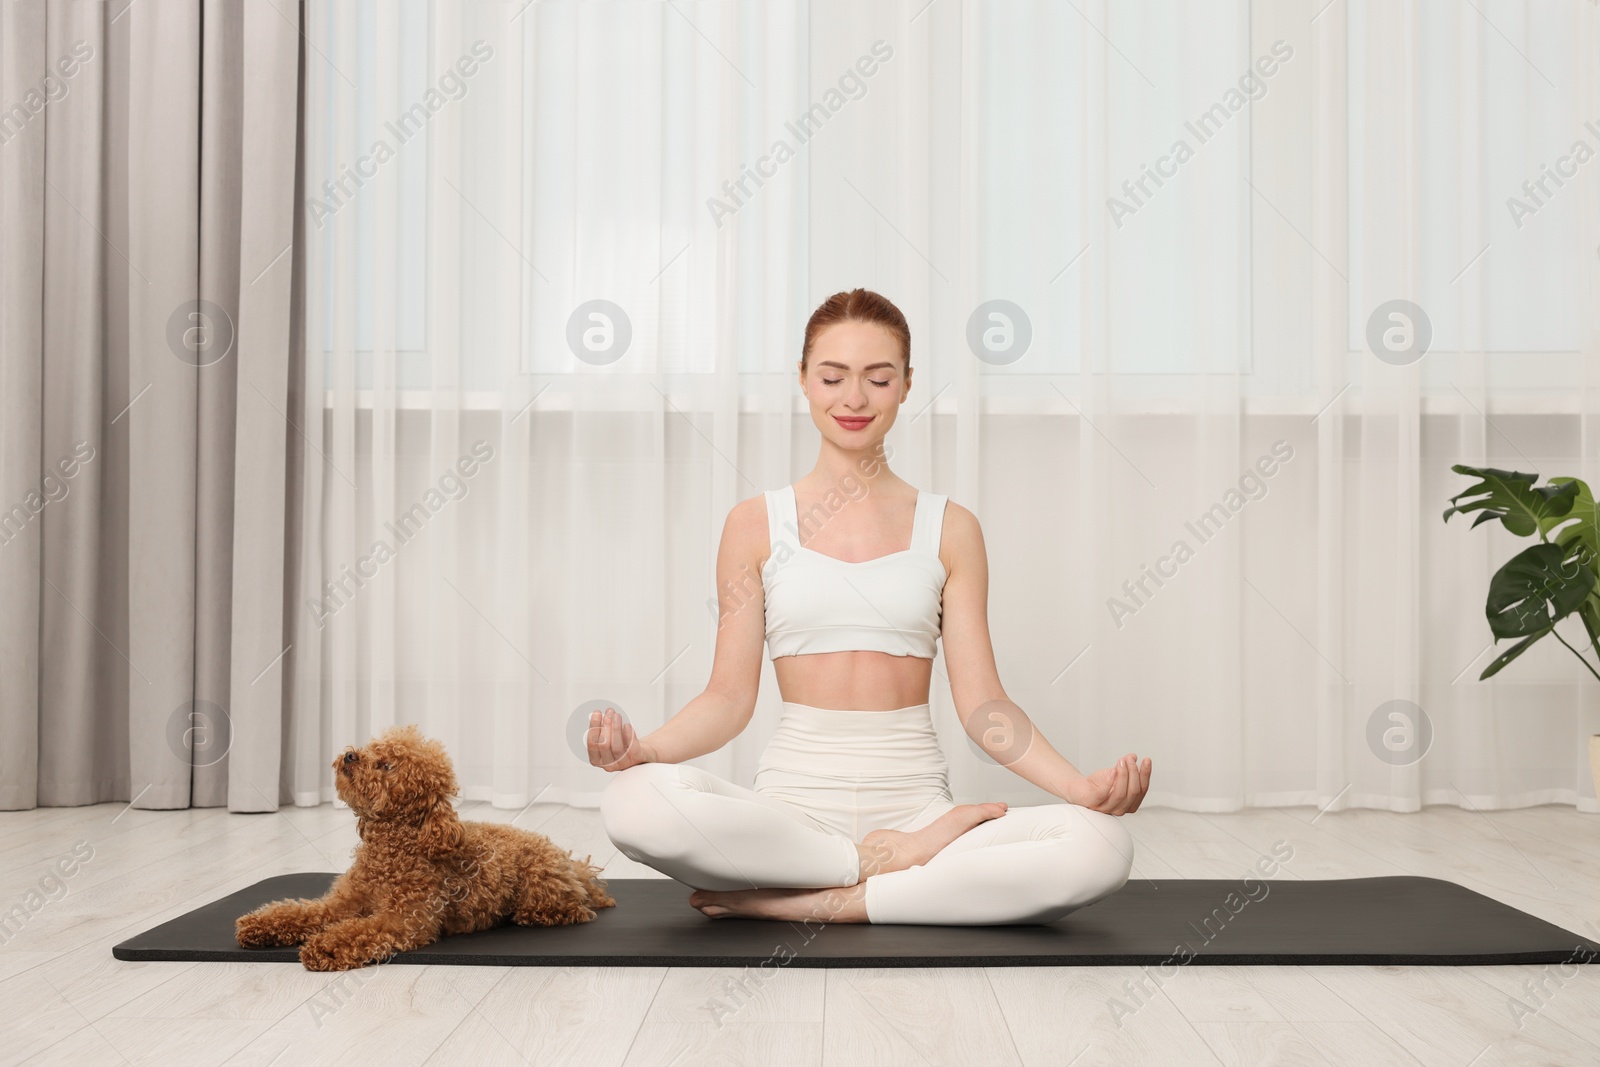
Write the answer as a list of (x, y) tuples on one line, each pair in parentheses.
[(843, 469)]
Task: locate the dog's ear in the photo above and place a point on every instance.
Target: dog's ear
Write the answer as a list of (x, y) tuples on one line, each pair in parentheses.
[(361, 827), (441, 831)]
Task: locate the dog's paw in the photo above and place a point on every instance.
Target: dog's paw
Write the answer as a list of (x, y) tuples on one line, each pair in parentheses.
[(260, 931), (321, 953), (566, 916)]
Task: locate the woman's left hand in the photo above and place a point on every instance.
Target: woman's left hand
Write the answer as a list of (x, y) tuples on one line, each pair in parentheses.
[(1114, 790)]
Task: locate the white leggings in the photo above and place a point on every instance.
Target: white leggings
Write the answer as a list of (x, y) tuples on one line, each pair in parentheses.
[(829, 777)]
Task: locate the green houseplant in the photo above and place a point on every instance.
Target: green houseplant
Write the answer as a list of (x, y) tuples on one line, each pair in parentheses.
[(1549, 580)]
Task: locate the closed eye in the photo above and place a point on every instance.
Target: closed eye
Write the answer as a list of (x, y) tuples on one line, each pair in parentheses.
[(836, 381)]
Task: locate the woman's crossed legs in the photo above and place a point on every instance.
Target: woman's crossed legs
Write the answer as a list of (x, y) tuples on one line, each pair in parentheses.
[(752, 854)]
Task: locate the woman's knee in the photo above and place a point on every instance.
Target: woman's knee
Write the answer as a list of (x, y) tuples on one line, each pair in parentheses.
[(1103, 856), (1110, 832), (632, 803)]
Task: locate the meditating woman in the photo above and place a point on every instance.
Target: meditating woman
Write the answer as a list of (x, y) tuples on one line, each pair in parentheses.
[(851, 817)]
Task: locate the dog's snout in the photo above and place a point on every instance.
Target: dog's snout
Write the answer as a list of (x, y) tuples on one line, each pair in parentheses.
[(349, 757)]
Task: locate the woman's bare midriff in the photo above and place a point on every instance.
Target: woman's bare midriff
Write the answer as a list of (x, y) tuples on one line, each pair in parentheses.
[(857, 680), (854, 681)]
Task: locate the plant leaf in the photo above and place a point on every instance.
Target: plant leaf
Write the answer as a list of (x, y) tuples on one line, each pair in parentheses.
[(1582, 521), (1590, 614), (1538, 587), (1512, 497), (1512, 653)]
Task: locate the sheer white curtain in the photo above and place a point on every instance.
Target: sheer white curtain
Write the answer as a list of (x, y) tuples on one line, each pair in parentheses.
[(1211, 509)]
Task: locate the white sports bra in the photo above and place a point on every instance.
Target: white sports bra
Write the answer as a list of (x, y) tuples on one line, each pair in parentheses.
[(815, 603)]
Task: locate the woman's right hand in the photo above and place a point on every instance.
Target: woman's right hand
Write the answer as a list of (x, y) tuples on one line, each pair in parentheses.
[(612, 743)]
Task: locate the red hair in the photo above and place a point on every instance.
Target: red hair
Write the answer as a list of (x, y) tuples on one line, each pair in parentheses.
[(857, 305)]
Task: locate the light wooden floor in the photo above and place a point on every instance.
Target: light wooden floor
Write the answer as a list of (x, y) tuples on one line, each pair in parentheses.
[(65, 1000)]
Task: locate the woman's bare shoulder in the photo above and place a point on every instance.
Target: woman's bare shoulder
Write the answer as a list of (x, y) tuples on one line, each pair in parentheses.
[(744, 532), (960, 538)]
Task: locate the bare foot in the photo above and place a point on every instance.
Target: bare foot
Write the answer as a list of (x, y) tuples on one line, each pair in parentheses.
[(834, 904), (883, 851)]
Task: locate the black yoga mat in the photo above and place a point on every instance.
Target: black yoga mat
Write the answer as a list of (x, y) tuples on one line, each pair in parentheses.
[(1398, 920)]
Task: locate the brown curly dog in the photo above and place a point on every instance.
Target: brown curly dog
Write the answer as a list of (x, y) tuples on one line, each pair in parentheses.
[(420, 872)]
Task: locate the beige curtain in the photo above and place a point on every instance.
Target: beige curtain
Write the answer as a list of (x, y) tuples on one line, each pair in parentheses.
[(147, 194)]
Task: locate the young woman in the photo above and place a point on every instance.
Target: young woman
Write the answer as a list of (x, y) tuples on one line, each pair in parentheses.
[(851, 818)]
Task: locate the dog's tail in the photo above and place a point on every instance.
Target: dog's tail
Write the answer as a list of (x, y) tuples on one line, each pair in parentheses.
[(589, 875)]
